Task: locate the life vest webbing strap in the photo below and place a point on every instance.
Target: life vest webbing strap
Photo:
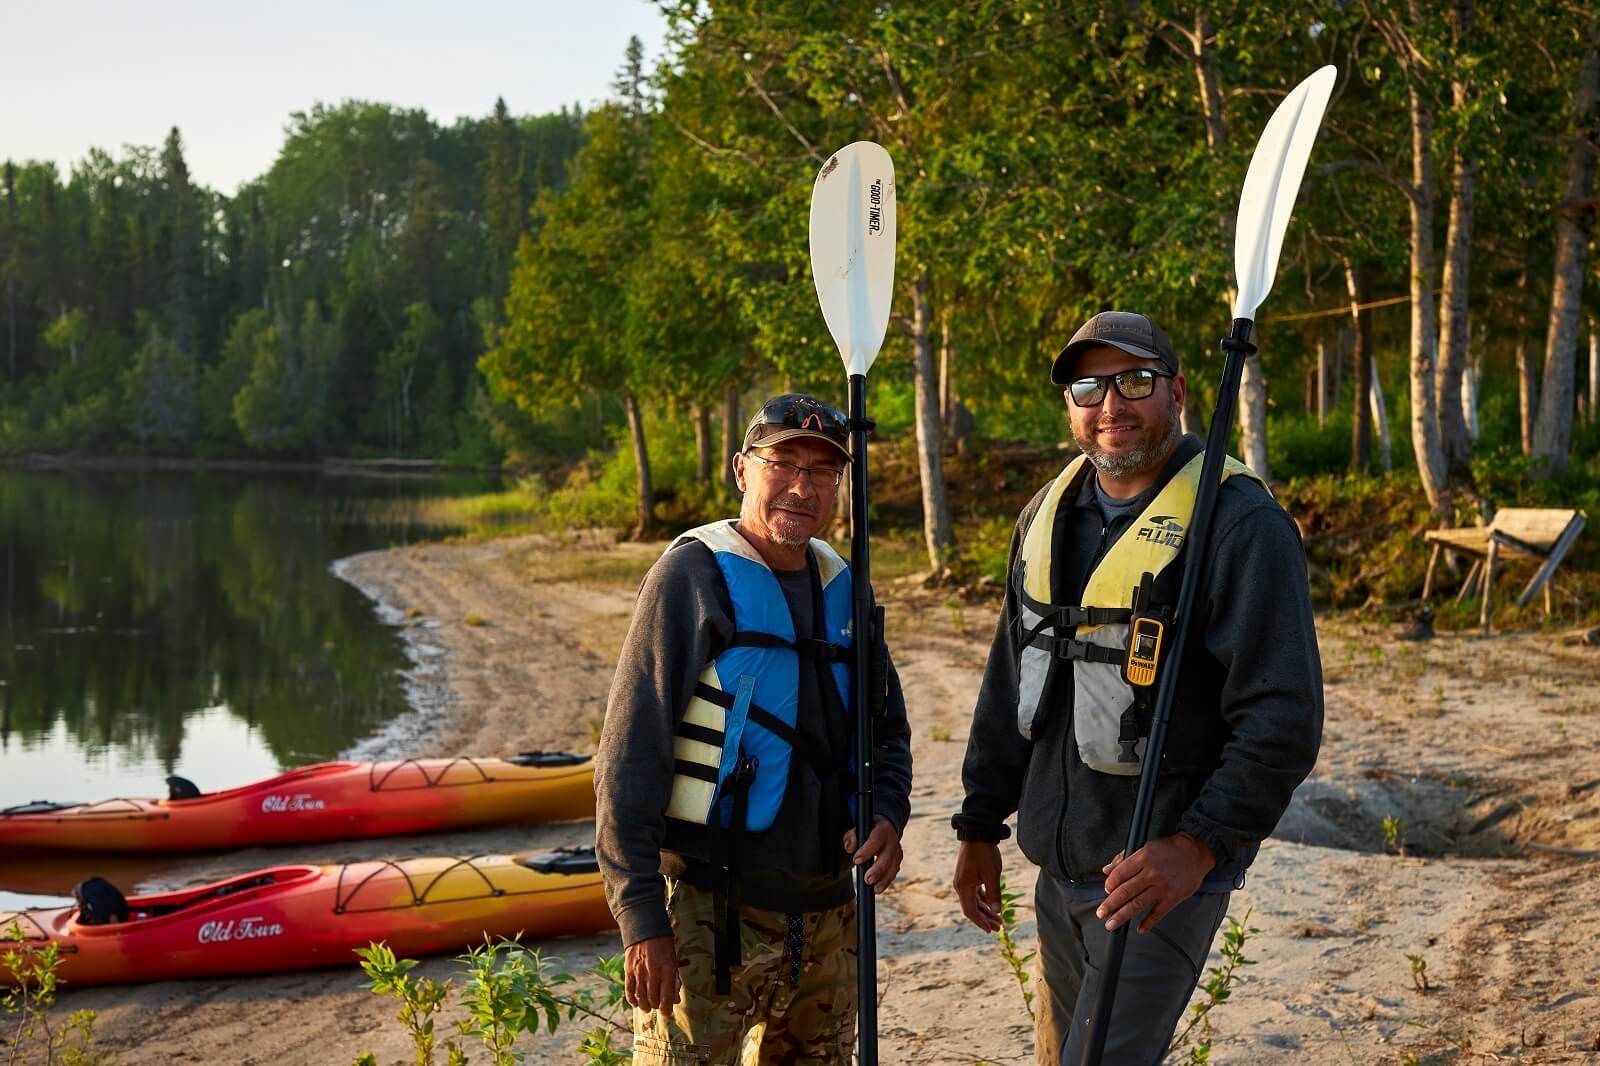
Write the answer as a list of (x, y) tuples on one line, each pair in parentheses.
[(1052, 615), (807, 647), (1068, 648), (764, 718), (704, 734), (754, 638), (695, 770)]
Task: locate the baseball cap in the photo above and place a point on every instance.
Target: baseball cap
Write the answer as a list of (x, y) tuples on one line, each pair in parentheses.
[(797, 415), (1132, 332)]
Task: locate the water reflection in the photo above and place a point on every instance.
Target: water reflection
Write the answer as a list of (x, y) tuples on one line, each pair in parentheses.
[(158, 623)]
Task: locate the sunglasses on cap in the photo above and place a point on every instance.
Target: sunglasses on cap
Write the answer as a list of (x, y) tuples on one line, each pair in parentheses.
[(1131, 385), (792, 414)]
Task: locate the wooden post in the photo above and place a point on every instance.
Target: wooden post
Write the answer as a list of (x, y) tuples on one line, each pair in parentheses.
[(1487, 610), (1433, 562)]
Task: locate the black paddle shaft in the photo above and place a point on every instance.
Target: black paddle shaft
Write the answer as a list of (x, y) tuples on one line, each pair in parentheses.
[(1237, 346), (860, 678)]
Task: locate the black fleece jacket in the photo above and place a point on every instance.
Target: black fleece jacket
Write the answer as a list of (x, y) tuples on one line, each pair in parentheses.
[(1245, 727)]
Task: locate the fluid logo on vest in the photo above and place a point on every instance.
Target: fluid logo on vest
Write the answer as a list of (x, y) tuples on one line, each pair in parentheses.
[(1161, 529)]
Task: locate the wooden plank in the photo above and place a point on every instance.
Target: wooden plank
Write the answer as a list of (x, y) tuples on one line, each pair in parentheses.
[(1473, 539), (1539, 526), (1558, 551)]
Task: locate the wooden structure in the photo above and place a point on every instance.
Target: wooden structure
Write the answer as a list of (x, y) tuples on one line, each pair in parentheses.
[(1542, 533)]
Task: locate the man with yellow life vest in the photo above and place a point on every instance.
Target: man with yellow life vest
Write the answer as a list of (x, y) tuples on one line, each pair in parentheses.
[(1059, 728), (725, 775)]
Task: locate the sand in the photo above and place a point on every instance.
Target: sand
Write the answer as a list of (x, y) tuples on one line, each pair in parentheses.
[(1486, 751)]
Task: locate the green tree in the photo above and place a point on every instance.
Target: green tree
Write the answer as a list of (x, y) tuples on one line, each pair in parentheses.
[(565, 336)]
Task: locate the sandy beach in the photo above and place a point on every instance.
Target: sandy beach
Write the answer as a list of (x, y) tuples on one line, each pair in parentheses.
[(1486, 751)]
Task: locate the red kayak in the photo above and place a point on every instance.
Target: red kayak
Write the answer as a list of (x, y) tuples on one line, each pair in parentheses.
[(328, 801), (293, 917)]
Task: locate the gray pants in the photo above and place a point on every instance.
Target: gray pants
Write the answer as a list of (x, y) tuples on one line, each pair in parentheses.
[(1159, 972)]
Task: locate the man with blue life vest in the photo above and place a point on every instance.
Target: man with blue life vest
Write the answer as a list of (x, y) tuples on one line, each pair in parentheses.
[(1062, 715), (724, 780)]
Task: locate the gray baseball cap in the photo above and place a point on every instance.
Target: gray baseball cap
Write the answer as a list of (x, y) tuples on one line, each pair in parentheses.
[(1132, 332)]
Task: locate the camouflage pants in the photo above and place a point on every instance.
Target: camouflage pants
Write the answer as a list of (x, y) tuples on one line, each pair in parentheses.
[(776, 1012)]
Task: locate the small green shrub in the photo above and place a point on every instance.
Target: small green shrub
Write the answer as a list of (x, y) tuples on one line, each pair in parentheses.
[(509, 991), (26, 1033)]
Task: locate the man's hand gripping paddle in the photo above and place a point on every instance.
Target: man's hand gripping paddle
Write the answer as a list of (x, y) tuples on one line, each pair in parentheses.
[(1270, 188), (852, 262)]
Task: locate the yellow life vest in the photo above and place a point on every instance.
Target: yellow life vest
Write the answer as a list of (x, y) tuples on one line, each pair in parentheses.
[(1093, 636)]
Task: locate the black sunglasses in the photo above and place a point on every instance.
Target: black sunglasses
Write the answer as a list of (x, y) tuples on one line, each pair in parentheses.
[(798, 412), (1131, 385)]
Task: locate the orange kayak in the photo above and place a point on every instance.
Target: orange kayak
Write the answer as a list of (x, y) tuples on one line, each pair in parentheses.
[(294, 917), (328, 801)]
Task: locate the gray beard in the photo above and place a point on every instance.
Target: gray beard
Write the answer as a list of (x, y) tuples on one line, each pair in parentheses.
[(787, 541), (1152, 453)]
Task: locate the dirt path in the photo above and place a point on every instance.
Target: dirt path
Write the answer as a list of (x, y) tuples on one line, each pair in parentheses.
[(1476, 748)]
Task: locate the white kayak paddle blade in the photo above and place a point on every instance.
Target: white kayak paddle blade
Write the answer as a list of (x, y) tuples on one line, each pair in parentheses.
[(1271, 185), (852, 249)]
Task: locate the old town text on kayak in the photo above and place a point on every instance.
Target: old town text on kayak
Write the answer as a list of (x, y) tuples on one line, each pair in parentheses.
[(251, 928)]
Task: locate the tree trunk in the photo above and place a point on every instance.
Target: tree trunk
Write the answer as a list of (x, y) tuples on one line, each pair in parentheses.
[(930, 436), (1424, 338), (702, 443), (1253, 417), (1191, 419), (1380, 418), (1552, 431), (732, 438), (1469, 400), (947, 354), (1205, 69), (1594, 369), (1527, 367), (1322, 381), (645, 524), (1337, 390), (1454, 327), (1356, 282), (12, 264)]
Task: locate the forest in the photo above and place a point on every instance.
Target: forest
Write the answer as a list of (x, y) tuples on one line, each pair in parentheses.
[(620, 282)]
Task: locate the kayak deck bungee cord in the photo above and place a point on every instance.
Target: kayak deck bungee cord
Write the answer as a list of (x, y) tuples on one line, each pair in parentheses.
[(327, 801)]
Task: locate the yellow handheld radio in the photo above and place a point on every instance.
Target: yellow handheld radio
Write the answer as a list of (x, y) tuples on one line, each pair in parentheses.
[(1146, 635)]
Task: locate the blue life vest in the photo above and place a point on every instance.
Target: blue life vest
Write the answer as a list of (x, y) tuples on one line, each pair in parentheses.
[(740, 726)]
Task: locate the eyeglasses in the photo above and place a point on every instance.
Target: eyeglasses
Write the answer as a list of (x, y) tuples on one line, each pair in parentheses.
[(820, 475), (1131, 385)]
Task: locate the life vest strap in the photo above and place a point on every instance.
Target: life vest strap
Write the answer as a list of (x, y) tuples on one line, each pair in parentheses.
[(1070, 648), (819, 760), (1061, 617), (813, 648)]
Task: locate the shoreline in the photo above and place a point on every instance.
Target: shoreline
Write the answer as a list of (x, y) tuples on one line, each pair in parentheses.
[(1472, 744), (427, 690)]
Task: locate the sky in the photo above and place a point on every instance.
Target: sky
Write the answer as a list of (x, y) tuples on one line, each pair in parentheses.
[(84, 74)]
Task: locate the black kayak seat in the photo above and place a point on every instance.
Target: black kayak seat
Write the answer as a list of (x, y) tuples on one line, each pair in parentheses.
[(100, 902), (562, 861), (547, 758), (181, 788)]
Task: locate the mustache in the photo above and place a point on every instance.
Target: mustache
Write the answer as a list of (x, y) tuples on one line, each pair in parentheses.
[(792, 502), (1124, 423)]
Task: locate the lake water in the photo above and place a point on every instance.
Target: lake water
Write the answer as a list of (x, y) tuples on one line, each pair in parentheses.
[(156, 623)]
